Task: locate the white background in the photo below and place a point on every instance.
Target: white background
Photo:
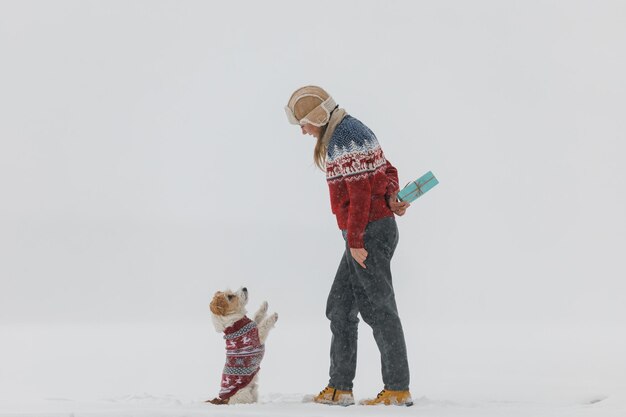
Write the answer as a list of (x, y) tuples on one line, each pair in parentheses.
[(146, 162)]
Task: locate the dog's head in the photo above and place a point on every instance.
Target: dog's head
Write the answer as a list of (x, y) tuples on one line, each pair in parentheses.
[(228, 307)]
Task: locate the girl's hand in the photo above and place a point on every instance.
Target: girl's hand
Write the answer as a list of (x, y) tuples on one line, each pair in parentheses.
[(359, 255), (397, 207)]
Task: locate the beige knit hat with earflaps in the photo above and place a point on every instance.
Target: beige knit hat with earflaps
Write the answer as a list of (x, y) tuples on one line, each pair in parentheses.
[(310, 104)]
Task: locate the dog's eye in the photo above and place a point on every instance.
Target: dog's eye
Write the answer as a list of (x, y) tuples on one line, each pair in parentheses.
[(230, 297)]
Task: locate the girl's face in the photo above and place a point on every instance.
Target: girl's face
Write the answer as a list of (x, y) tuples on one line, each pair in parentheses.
[(309, 129)]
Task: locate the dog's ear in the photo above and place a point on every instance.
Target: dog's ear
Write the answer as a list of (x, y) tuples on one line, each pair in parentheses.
[(219, 305)]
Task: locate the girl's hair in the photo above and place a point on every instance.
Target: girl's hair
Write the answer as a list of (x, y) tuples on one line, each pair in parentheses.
[(319, 153)]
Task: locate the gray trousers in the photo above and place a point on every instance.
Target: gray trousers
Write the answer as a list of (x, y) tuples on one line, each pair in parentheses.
[(368, 292)]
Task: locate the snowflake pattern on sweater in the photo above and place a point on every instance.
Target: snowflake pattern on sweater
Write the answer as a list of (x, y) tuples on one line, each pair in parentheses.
[(353, 152), (244, 352), (359, 179)]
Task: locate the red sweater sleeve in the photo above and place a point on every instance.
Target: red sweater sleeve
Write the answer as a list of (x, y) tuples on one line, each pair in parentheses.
[(360, 194), (393, 185)]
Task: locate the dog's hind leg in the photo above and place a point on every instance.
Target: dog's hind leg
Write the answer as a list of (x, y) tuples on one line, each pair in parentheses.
[(261, 312), (248, 394), (266, 325)]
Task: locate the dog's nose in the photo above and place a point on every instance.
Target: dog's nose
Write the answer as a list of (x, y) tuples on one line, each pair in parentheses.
[(244, 289)]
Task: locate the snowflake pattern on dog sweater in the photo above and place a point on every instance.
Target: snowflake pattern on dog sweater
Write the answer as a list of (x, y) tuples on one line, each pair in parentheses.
[(244, 352)]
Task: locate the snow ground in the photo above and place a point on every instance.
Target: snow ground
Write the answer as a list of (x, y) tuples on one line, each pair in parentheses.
[(146, 405), (153, 370)]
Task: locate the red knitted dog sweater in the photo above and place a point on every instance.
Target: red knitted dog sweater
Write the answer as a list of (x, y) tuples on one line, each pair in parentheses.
[(244, 353)]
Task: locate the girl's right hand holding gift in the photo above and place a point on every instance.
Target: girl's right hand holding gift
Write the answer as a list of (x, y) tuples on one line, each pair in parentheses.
[(397, 207)]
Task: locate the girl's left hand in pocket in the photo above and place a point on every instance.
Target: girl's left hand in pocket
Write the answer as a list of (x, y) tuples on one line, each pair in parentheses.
[(359, 255)]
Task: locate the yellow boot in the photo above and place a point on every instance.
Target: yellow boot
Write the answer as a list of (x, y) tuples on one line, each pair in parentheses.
[(388, 397), (333, 396)]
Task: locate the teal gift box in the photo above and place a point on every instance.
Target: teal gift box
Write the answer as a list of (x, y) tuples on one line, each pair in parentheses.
[(417, 188)]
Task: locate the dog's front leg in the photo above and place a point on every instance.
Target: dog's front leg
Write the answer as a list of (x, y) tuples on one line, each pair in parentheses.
[(266, 325), (261, 312)]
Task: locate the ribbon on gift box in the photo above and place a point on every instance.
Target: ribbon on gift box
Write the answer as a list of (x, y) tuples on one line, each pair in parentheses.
[(419, 187)]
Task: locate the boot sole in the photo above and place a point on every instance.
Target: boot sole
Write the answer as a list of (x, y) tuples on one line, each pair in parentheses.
[(406, 404), (333, 403)]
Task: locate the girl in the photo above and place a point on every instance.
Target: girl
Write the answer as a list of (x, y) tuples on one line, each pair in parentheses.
[(363, 188)]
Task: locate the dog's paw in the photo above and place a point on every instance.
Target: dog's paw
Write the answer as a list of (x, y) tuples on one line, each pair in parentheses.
[(273, 318), (261, 312), (263, 308), (266, 325), (217, 401)]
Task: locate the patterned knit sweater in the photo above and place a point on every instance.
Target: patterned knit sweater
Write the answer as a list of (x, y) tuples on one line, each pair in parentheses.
[(244, 353), (359, 178)]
